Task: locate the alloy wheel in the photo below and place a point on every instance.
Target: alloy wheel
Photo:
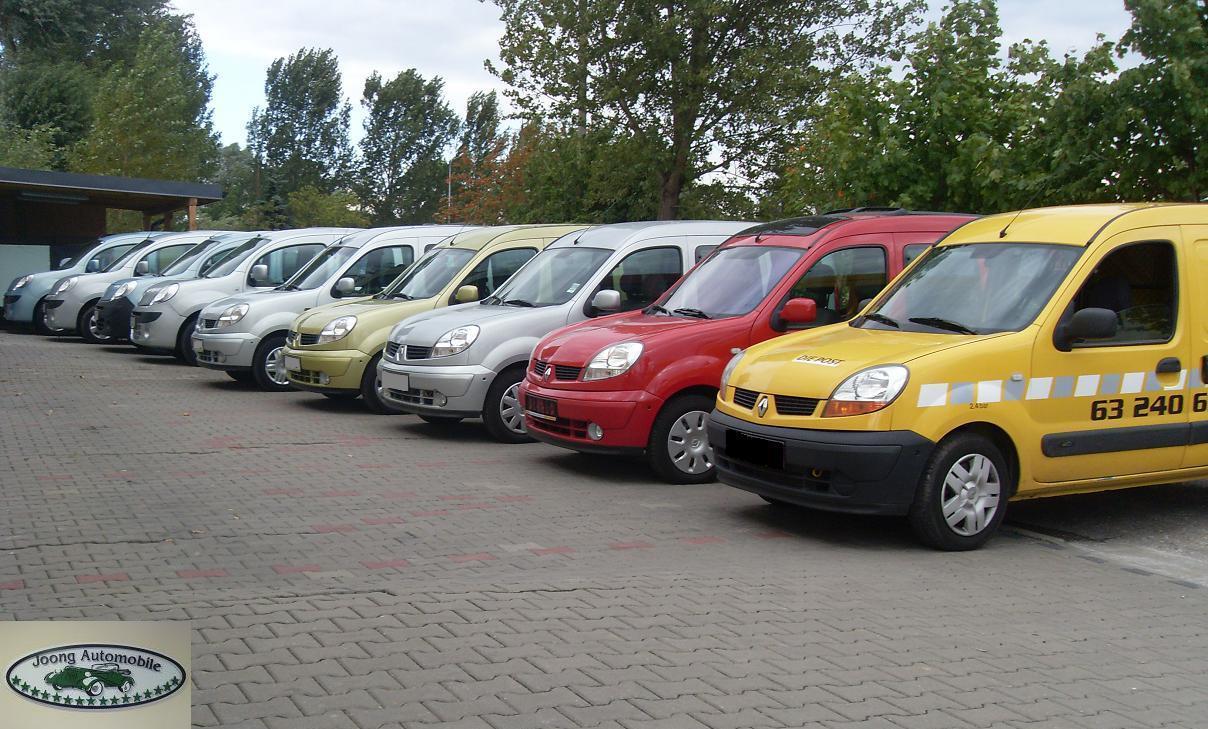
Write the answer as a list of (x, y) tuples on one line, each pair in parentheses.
[(688, 443), (274, 366), (970, 494)]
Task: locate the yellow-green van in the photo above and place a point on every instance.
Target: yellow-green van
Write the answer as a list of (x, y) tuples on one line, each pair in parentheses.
[(334, 349), (1052, 351)]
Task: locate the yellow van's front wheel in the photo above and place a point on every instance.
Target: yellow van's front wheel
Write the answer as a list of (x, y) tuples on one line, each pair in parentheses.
[(962, 496)]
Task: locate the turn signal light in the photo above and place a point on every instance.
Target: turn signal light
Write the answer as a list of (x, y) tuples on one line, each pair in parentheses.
[(839, 408)]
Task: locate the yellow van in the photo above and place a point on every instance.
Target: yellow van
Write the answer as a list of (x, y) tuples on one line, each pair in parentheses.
[(335, 349), (1050, 351)]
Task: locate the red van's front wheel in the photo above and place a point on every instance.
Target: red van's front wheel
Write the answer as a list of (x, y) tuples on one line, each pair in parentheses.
[(679, 449)]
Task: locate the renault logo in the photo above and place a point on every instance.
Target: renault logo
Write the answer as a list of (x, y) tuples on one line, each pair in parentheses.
[(548, 374), (762, 407)]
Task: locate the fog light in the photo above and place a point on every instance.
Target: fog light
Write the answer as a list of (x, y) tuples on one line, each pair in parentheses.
[(439, 400), (323, 378), (594, 431)]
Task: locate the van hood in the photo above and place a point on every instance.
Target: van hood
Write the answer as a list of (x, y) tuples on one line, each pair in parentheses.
[(370, 313), (280, 299), (812, 364), (577, 344), (425, 329)]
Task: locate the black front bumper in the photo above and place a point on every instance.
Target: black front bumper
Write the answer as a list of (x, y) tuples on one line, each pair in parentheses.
[(838, 470), (114, 316)]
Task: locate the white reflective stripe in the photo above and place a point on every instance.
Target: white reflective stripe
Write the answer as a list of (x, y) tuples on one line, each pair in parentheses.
[(1132, 383), (933, 395), (1039, 388), (1086, 386), (1182, 381), (989, 391)]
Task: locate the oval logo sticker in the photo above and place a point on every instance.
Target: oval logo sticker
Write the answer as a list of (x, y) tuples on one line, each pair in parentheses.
[(95, 676)]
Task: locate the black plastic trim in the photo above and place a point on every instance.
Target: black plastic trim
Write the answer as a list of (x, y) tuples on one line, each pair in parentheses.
[(1114, 440)]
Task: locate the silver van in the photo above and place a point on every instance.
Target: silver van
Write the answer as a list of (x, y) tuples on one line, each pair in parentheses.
[(165, 317), (71, 304), (467, 361), (244, 335)]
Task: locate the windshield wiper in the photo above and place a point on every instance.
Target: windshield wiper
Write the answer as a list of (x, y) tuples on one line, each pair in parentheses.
[(657, 308), (696, 313), (401, 295), (940, 323), (518, 302), (882, 319), (287, 287)]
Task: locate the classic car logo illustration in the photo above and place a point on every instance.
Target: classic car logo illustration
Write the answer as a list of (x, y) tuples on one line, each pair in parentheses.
[(763, 406), (95, 676)]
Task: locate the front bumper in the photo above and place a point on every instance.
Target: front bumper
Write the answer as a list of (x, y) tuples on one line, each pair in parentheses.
[(114, 316), (864, 472), (625, 416), (327, 371), (19, 307), (62, 314), (226, 351), (459, 391), (155, 329)]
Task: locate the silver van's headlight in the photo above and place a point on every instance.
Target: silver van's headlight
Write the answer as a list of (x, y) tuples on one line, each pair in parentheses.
[(122, 290), (65, 283), (20, 283), (612, 361), (455, 341), (163, 294), (867, 391), (336, 329), (232, 314), (730, 367)]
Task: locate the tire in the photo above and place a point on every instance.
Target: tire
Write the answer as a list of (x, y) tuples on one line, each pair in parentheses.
[(501, 412), (968, 477), (126, 686), (40, 320), (184, 344), (244, 376), (268, 365), (440, 419), (369, 388), (94, 688), (88, 327), (679, 450), (341, 395)]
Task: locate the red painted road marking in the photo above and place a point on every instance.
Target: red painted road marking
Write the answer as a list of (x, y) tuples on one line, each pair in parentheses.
[(15, 585)]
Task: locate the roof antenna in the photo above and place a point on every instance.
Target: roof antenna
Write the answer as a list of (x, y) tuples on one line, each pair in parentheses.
[(1003, 233)]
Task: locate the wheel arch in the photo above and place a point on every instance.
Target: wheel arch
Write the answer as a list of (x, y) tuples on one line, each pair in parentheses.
[(997, 435)]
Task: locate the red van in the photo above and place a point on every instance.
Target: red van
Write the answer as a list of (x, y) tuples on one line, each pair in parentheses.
[(645, 381)]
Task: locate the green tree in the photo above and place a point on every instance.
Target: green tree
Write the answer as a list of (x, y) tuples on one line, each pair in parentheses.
[(51, 95), (481, 134), (26, 148), (155, 120), (78, 31), (311, 206), (236, 175), (698, 85), (301, 135), (408, 125)]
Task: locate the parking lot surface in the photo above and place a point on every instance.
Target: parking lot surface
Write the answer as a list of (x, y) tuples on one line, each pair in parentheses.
[(343, 570)]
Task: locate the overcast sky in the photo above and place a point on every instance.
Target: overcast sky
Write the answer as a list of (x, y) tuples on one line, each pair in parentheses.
[(452, 38)]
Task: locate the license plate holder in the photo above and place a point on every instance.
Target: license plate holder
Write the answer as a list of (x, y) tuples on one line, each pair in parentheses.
[(541, 407), (293, 364), (198, 346), (761, 452), (400, 381)]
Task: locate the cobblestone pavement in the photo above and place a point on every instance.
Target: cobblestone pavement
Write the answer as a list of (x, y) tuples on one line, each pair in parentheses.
[(349, 570)]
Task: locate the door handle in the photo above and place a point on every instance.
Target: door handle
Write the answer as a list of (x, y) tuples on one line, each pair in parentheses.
[(1204, 369), (1169, 366)]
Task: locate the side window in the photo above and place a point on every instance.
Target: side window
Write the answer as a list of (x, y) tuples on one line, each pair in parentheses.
[(430, 246), (642, 277), (1138, 282), (106, 257), (913, 251), (161, 259), (285, 262), (702, 251), (840, 280), (492, 271), (374, 270), (212, 260)]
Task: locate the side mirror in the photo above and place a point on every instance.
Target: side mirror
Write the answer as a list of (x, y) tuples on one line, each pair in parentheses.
[(345, 286), (1092, 323), (606, 300), (799, 311), (142, 268), (92, 266), (259, 273), (466, 294), (63, 263)]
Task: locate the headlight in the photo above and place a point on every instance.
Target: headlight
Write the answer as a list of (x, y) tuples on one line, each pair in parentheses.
[(168, 292), (231, 314), (21, 282), (730, 367), (122, 290), (612, 361), (336, 329), (867, 391), (65, 284), (455, 341)]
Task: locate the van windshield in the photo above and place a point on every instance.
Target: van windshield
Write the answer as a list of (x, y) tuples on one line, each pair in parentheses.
[(432, 273), (551, 277), (188, 258), (236, 255), (130, 252), (731, 282), (320, 268), (978, 288)]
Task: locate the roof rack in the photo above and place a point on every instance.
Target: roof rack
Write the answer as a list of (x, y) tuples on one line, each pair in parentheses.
[(807, 225), (891, 211)]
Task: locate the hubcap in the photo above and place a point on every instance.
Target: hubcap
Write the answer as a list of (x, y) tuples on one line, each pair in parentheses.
[(509, 409), (274, 366), (94, 326), (688, 443), (970, 494)]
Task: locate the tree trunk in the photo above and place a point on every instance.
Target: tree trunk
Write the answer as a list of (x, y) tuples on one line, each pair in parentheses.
[(669, 201)]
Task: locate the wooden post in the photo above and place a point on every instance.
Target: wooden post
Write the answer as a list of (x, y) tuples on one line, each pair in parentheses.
[(192, 213), (168, 219)]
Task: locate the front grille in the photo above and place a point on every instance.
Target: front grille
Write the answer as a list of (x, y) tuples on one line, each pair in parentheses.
[(392, 350), (540, 366), (411, 397), (414, 352), (308, 339), (789, 405), (306, 377), (565, 372), (145, 317), (209, 323), (562, 426), (745, 398), (207, 355)]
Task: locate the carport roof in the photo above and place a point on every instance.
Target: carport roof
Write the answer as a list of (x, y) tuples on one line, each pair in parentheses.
[(123, 193)]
